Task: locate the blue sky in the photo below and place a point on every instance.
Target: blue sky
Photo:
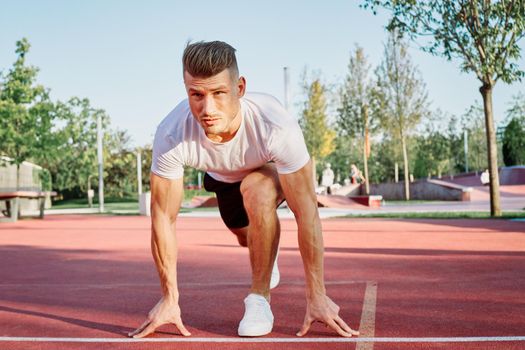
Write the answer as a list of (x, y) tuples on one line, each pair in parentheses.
[(125, 55)]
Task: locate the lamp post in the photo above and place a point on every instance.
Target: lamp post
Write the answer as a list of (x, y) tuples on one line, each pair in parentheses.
[(465, 138), (139, 172), (100, 136)]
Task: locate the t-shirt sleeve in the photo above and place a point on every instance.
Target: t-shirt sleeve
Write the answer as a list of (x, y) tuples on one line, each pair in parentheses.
[(166, 159), (288, 149)]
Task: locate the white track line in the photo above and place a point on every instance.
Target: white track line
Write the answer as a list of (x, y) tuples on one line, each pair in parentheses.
[(266, 340), (182, 284), (368, 316)]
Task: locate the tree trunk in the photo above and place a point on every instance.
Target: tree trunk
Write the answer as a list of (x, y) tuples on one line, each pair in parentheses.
[(405, 163), (365, 149), (492, 150), (17, 177), (365, 165)]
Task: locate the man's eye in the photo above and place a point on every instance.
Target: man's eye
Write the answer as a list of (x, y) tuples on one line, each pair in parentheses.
[(219, 92), (196, 94)]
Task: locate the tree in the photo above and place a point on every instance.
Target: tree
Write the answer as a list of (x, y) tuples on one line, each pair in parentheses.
[(402, 95), (76, 160), (26, 113), (483, 34), (432, 149), (353, 117), (120, 170), (318, 135), (472, 121), (514, 134)]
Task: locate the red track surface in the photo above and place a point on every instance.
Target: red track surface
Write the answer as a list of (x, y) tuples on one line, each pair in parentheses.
[(93, 277)]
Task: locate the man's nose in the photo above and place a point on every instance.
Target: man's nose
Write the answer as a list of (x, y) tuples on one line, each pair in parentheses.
[(209, 107)]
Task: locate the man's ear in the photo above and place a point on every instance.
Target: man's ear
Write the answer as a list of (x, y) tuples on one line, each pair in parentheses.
[(241, 87)]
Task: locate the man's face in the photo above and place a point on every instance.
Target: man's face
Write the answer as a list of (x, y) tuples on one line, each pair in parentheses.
[(214, 102)]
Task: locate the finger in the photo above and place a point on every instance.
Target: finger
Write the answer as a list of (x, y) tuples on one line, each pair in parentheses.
[(338, 329), (138, 330), (304, 329), (181, 328), (344, 326), (147, 331)]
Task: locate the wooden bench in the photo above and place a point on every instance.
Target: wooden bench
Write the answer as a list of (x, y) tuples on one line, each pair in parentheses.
[(12, 200)]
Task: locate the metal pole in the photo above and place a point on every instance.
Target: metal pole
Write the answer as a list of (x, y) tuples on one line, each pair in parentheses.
[(139, 172), (100, 136), (287, 93), (465, 137)]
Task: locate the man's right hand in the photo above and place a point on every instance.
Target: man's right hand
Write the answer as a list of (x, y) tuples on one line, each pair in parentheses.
[(166, 311)]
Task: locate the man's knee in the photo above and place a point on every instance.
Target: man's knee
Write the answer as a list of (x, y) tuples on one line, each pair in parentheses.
[(261, 191)]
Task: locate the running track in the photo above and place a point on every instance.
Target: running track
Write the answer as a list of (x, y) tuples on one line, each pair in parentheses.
[(83, 282)]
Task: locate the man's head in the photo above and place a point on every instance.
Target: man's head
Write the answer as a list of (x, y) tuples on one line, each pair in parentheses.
[(214, 87)]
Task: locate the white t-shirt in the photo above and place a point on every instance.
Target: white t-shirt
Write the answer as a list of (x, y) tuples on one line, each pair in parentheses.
[(268, 133)]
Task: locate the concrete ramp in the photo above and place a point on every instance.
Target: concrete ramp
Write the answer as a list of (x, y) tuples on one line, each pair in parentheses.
[(508, 176), (337, 201), (348, 190)]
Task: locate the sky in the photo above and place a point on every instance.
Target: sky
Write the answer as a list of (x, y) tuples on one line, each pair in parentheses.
[(125, 56)]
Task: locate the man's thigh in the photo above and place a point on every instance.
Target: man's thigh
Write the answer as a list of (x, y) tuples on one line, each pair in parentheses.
[(262, 183)]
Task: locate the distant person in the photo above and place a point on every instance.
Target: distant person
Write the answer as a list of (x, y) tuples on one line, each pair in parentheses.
[(254, 155), (356, 175), (485, 177), (327, 178)]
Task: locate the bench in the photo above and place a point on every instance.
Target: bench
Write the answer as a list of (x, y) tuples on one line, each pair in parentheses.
[(12, 200)]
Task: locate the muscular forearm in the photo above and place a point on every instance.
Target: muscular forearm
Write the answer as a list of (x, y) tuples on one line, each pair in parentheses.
[(164, 250), (312, 250)]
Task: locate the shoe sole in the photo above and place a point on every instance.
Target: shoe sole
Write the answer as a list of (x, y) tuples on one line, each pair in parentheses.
[(257, 333)]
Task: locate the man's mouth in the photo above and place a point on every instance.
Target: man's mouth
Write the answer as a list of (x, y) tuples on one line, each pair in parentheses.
[(210, 121)]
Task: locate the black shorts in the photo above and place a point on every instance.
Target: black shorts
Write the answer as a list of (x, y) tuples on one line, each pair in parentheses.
[(229, 198)]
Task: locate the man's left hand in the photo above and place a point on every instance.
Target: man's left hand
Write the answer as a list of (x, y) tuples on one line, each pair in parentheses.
[(323, 309)]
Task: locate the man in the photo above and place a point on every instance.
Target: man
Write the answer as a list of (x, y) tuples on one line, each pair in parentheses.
[(255, 157)]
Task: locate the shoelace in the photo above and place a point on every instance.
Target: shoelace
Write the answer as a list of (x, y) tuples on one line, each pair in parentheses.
[(258, 306)]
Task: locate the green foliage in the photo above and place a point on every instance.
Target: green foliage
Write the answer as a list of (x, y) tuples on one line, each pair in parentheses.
[(514, 133), (26, 113), (45, 180), (343, 155), (402, 97), (318, 135), (62, 137), (76, 160), (432, 154), (356, 95), (400, 90), (514, 143), (483, 34), (120, 165), (473, 121), (146, 155)]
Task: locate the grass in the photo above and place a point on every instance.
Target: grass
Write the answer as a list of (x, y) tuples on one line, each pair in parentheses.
[(125, 202), (441, 215), (117, 205)]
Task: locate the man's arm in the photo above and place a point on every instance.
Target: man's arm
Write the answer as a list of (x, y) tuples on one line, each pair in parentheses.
[(166, 198), (298, 188)]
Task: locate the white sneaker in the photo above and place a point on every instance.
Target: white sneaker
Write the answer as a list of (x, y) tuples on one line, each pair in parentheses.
[(276, 275), (258, 317)]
